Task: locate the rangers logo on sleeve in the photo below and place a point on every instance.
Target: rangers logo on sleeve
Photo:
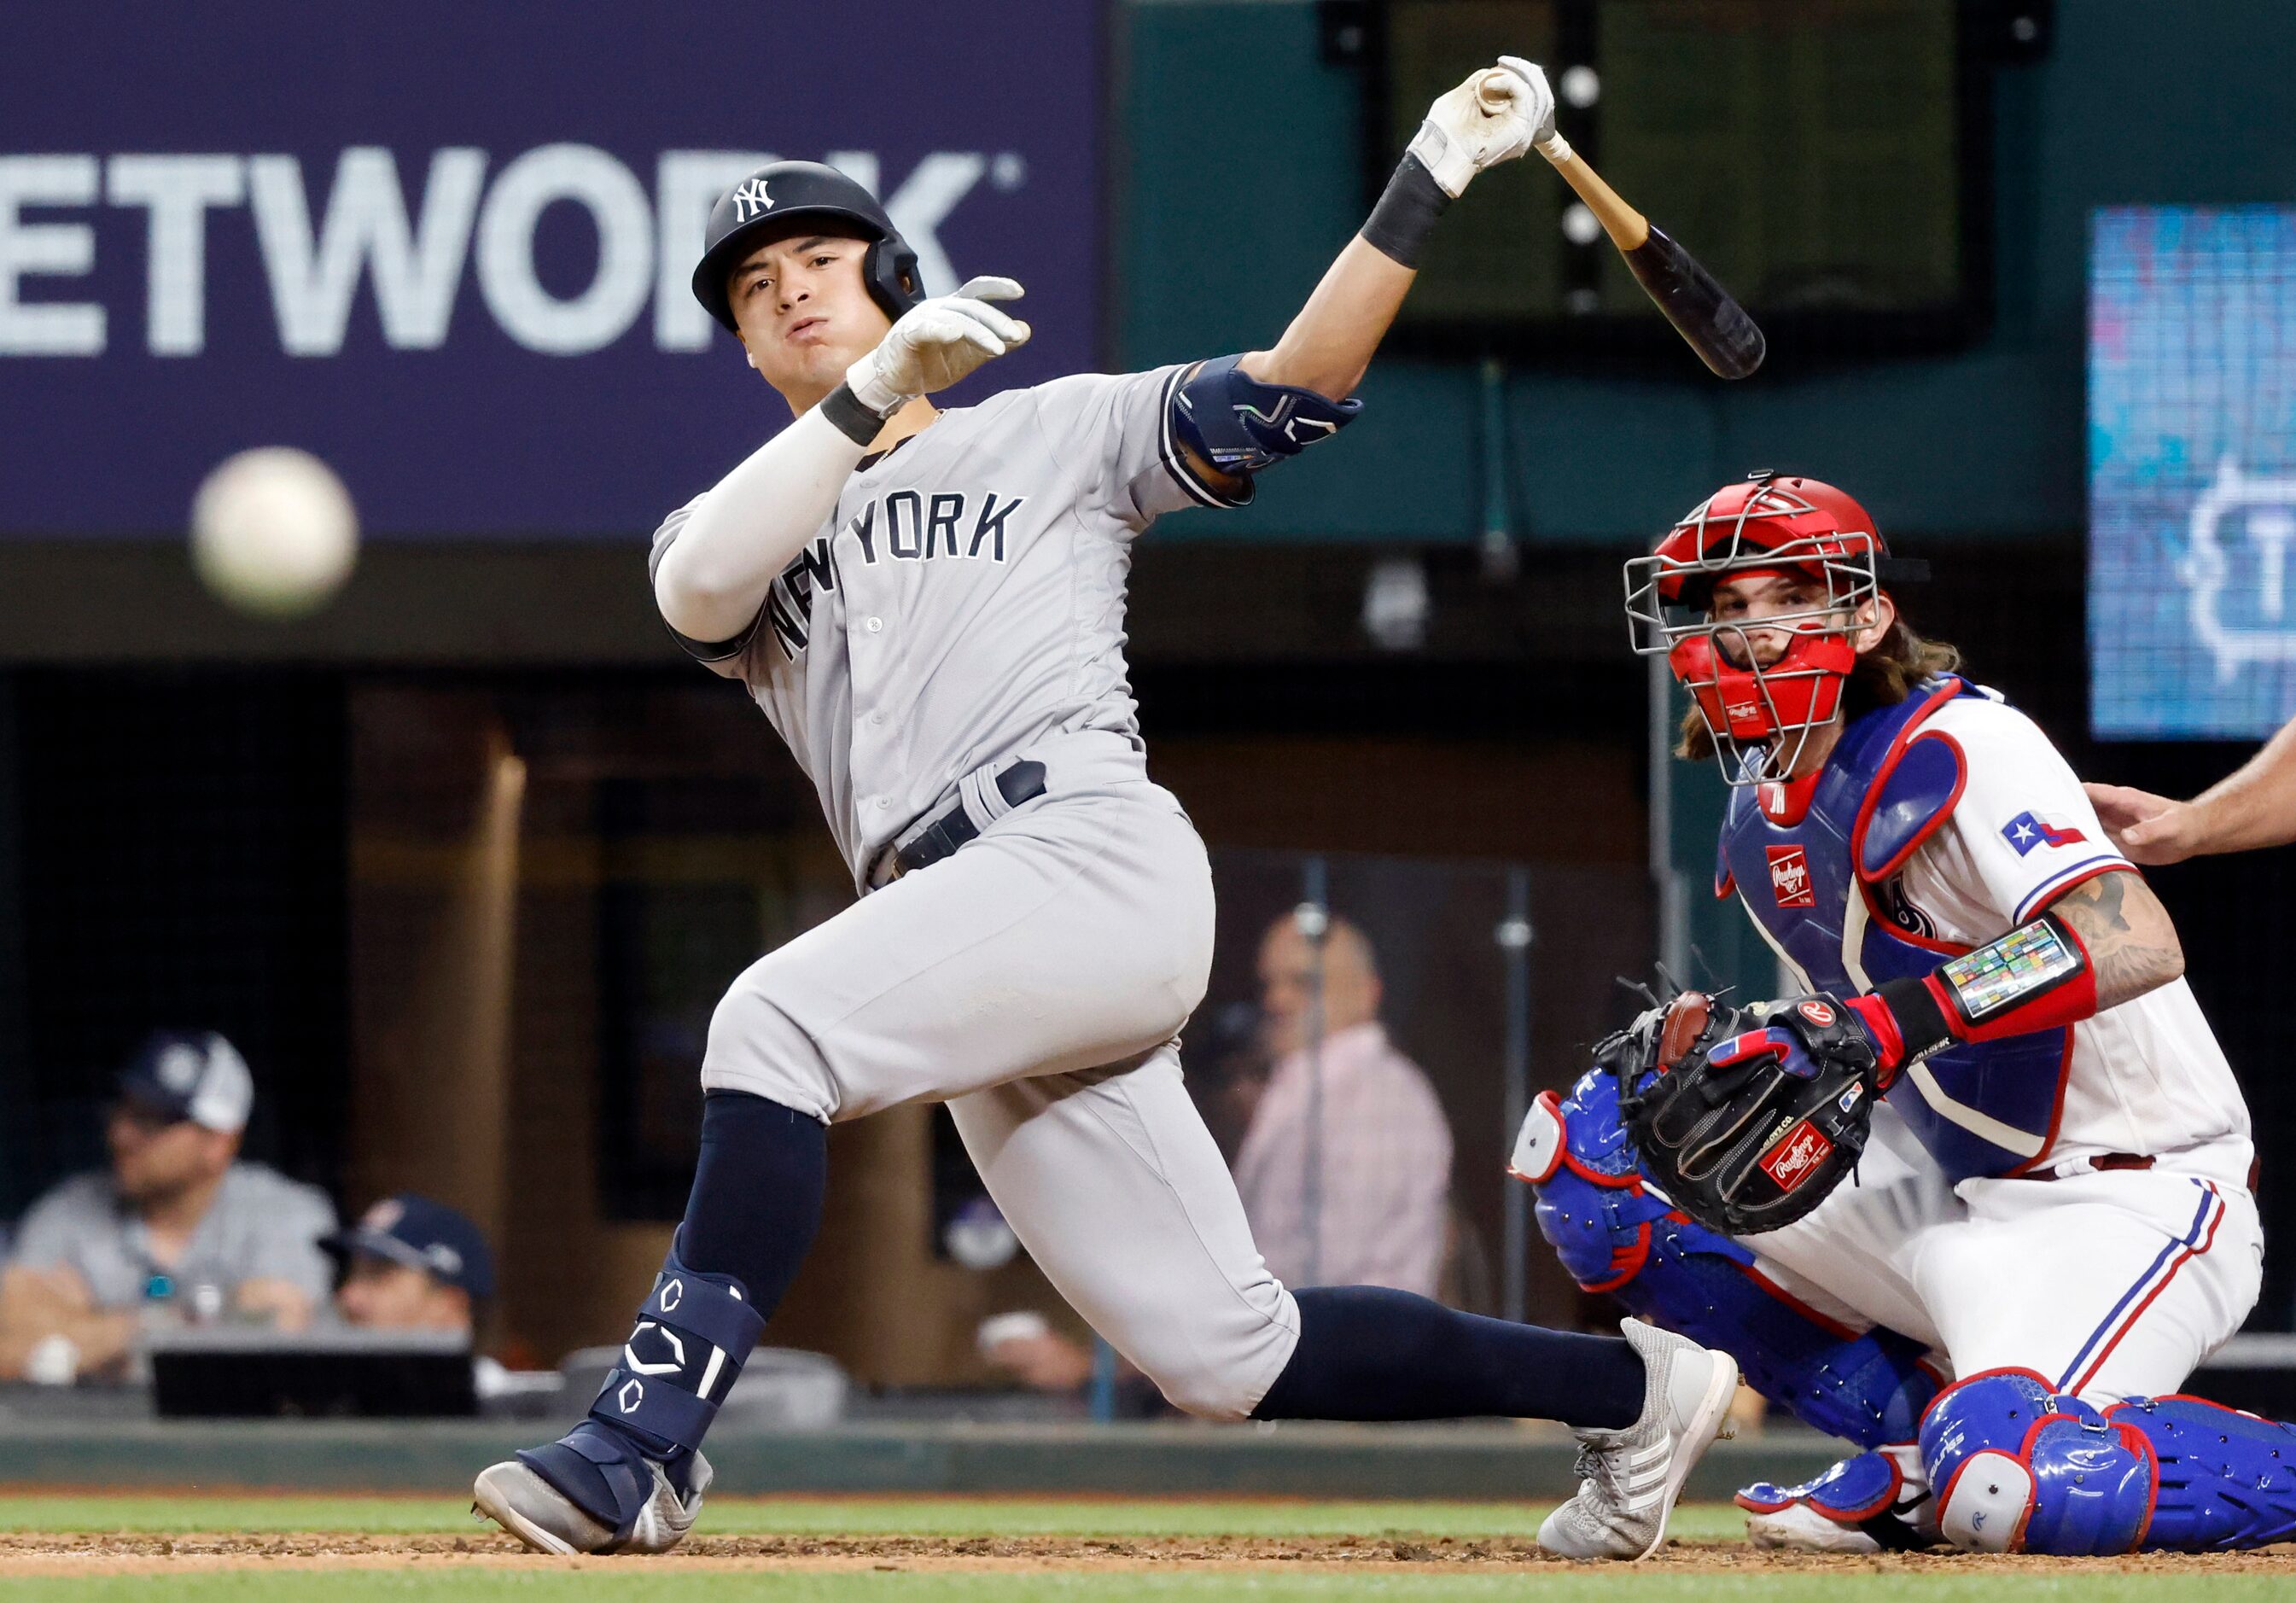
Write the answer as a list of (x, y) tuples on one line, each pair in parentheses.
[(2028, 830)]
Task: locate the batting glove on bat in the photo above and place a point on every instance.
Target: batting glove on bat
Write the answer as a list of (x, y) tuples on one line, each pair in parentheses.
[(1494, 116), (936, 343)]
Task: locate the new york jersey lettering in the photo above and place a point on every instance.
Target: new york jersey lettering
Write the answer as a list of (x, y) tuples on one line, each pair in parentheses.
[(789, 600), (966, 525)]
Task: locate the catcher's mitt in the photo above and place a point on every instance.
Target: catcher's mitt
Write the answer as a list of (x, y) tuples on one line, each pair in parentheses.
[(1747, 1120)]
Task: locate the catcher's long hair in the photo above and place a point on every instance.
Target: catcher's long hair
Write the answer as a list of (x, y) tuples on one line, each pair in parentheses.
[(1879, 678)]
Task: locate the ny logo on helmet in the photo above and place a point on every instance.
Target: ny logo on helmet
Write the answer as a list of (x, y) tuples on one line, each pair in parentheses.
[(751, 201)]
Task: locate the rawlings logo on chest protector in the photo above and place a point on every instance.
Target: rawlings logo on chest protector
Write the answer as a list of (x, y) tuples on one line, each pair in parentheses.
[(1790, 877)]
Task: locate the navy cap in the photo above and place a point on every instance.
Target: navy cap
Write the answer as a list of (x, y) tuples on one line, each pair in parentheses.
[(190, 1074), (424, 1235)]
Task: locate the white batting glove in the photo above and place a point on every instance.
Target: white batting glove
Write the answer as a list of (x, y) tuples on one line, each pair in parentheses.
[(1494, 116), (1545, 138), (936, 343)]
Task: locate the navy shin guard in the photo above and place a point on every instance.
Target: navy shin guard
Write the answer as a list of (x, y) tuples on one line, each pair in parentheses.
[(755, 1208), (690, 1340)]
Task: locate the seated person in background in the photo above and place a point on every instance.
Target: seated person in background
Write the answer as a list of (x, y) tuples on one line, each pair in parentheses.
[(411, 1264), (414, 1265), (1376, 1137), (176, 1224)]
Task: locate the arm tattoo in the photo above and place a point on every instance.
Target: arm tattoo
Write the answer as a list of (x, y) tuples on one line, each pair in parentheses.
[(2128, 933)]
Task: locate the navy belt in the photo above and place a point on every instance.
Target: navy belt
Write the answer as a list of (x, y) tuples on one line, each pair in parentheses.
[(955, 827)]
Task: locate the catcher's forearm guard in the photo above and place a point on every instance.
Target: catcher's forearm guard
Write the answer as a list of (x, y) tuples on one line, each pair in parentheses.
[(2038, 977)]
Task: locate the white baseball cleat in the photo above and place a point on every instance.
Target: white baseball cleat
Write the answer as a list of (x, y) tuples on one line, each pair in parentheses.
[(544, 1518), (1632, 1476), (1799, 1528)]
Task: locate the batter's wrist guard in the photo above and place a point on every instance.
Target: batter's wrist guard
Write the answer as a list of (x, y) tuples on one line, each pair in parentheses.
[(1405, 217), (1240, 425), (852, 416), (2038, 976)]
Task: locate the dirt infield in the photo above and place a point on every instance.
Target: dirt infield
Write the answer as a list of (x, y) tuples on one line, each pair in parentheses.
[(65, 1555)]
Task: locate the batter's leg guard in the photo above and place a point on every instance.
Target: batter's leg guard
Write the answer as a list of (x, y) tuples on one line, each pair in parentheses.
[(1877, 1502), (690, 1342), (1615, 1234)]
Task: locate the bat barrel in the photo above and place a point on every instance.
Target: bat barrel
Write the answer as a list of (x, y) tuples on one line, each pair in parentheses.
[(1703, 312)]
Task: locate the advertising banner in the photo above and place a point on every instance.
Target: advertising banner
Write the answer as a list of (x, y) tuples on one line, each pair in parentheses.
[(2192, 471), (446, 246)]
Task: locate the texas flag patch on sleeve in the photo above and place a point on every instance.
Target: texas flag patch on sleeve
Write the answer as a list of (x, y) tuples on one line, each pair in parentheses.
[(2028, 830)]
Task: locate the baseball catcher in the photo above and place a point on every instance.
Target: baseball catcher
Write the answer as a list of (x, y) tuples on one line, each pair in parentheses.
[(1977, 1198)]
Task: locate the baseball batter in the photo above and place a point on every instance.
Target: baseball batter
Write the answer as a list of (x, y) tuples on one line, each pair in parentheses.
[(928, 607), (2051, 1223)]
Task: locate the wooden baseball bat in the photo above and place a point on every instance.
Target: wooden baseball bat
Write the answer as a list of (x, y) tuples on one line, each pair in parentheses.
[(1712, 324)]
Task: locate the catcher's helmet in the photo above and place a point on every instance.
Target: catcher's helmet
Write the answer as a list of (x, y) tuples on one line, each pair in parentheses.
[(1763, 524), (768, 198)]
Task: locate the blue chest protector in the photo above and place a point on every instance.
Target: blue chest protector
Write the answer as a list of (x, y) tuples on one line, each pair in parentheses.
[(1825, 890)]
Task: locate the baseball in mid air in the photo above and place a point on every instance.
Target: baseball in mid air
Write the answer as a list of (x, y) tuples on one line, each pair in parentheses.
[(273, 532)]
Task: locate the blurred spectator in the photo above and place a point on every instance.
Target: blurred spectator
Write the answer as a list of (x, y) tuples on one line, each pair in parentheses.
[(411, 1264), (1343, 1104), (177, 1227), (1024, 1344), (1381, 1212), (1227, 1054)]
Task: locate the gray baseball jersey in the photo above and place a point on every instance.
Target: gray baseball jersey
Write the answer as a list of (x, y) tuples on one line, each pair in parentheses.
[(965, 603)]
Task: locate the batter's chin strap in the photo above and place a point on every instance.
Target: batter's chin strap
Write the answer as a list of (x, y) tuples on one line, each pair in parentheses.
[(2038, 977), (1240, 425)]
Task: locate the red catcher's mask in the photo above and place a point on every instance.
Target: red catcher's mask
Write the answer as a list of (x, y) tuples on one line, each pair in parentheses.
[(1761, 716)]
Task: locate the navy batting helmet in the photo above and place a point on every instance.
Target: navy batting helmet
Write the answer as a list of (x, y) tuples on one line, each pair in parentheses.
[(768, 198)]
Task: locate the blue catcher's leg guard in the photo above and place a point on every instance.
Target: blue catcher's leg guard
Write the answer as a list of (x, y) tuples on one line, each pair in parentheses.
[(2223, 1481), (692, 1338), (2020, 1470), (1614, 1234)]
